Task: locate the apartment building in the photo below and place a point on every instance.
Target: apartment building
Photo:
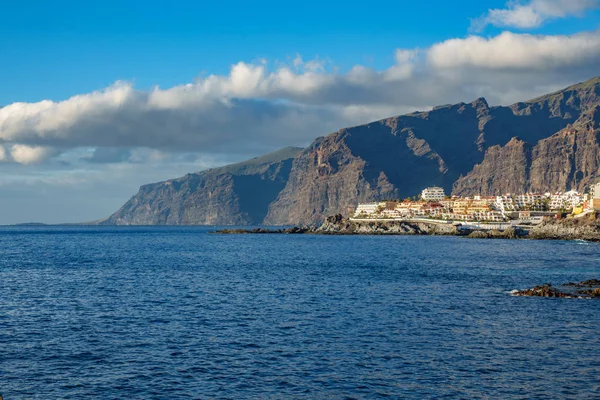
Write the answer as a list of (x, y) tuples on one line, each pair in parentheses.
[(433, 193)]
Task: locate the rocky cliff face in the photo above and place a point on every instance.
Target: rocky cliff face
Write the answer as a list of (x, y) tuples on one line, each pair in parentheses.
[(231, 195), (548, 143), (568, 159), (505, 169)]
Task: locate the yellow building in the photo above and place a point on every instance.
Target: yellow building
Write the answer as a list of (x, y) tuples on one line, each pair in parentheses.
[(460, 206), (478, 206)]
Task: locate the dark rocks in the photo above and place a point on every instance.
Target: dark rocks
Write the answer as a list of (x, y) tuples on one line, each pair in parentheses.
[(588, 283), (338, 225), (291, 231), (584, 228), (509, 233), (547, 290), (478, 235), (590, 292)]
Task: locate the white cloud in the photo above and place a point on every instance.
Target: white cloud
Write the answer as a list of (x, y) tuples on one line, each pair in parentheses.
[(24, 154), (517, 51), (254, 109), (30, 154), (533, 13)]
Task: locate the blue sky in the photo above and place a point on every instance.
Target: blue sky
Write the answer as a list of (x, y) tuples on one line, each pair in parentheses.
[(99, 98), (58, 49)]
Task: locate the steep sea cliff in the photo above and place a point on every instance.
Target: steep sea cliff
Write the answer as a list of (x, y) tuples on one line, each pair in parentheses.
[(551, 143)]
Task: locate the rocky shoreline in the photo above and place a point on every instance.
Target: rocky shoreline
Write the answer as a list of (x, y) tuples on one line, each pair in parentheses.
[(586, 228), (583, 290)]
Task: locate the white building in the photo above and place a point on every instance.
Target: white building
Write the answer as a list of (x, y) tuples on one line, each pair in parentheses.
[(504, 203), (396, 213), (595, 191), (433, 194), (529, 200), (565, 201), (366, 209)]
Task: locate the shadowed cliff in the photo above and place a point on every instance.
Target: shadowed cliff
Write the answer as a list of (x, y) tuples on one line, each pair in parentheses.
[(237, 194)]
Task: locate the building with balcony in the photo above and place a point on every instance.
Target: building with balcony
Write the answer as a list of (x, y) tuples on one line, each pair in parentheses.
[(433, 193), (364, 210)]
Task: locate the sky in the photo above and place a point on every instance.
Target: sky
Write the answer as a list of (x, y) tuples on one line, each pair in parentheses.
[(98, 98)]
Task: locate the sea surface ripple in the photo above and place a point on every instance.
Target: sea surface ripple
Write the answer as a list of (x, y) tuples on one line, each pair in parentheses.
[(177, 313)]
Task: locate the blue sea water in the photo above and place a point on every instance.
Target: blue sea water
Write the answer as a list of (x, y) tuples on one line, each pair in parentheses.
[(177, 313)]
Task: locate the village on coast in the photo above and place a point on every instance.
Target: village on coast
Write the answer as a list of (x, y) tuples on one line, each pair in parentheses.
[(483, 212)]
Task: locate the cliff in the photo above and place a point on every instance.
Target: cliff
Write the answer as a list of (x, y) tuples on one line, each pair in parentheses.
[(563, 160), (237, 194), (548, 143)]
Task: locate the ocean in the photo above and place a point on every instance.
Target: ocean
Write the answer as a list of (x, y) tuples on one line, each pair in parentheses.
[(178, 313)]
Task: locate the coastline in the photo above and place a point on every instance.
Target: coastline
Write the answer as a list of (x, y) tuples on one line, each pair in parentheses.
[(587, 229)]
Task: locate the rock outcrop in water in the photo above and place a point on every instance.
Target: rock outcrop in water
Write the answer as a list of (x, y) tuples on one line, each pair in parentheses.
[(545, 290), (585, 228), (585, 289), (548, 143)]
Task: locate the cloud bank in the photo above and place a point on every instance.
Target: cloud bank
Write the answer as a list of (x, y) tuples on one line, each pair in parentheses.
[(257, 108)]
